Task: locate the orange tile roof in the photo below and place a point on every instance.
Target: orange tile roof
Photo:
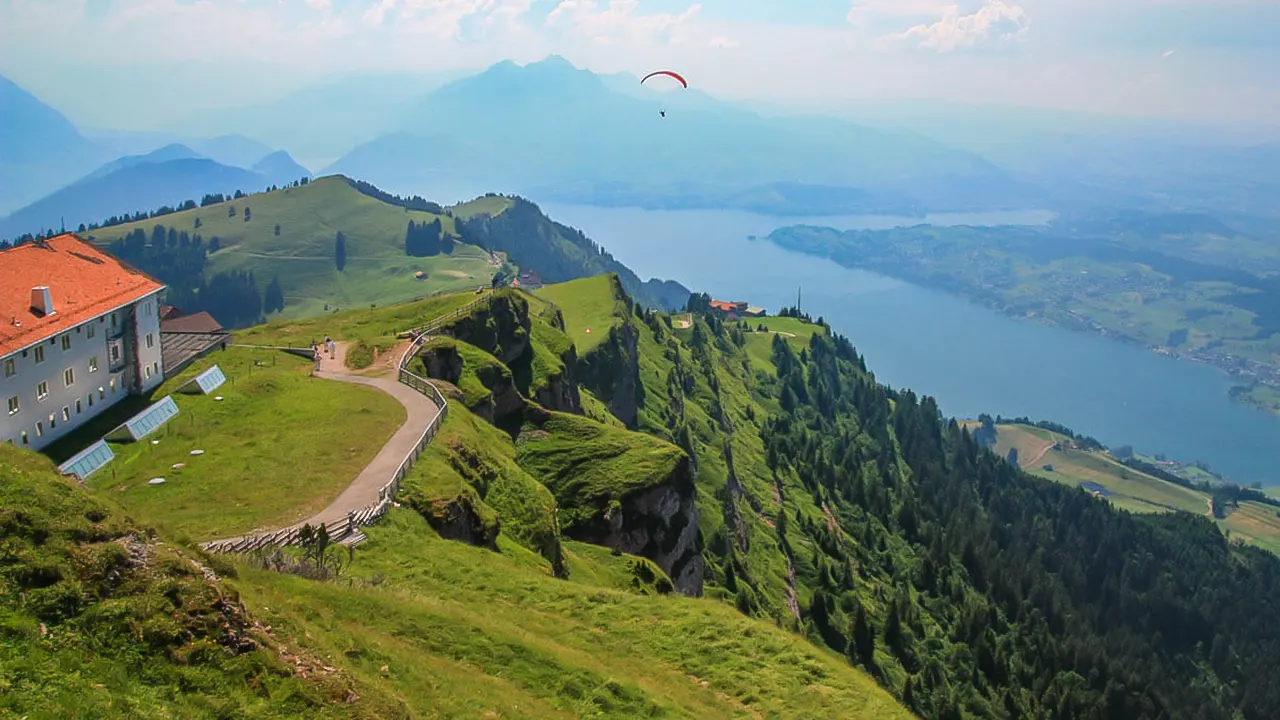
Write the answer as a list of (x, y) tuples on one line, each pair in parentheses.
[(83, 281)]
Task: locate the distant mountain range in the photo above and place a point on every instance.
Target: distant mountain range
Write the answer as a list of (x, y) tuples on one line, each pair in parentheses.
[(40, 150), (557, 133), (51, 172), (167, 176)]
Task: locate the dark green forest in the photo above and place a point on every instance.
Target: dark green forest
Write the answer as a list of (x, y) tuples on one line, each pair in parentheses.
[(179, 259), (971, 589)]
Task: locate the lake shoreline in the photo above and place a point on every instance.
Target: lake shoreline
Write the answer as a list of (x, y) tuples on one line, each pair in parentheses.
[(969, 357), (1246, 374)]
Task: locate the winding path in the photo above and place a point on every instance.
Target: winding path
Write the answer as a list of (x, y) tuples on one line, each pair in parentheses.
[(421, 412), (364, 489)]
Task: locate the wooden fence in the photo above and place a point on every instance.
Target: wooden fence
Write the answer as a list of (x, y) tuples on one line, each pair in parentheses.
[(386, 494)]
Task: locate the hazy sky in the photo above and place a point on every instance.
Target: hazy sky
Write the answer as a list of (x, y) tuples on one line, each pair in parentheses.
[(1209, 59)]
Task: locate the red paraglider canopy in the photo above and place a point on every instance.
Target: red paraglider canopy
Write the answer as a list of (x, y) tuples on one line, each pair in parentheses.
[(668, 73)]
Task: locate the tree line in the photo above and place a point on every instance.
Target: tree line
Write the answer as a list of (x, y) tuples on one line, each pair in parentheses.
[(140, 216), (180, 260)]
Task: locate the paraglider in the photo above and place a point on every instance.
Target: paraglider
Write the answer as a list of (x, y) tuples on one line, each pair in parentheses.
[(678, 78)]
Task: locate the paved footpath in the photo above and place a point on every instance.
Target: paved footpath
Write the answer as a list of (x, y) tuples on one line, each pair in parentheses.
[(363, 491)]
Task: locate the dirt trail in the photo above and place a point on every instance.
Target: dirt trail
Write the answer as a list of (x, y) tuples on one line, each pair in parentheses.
[(420, 412)]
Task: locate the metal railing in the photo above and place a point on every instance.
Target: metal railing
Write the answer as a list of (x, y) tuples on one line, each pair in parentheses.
[(374, 511)]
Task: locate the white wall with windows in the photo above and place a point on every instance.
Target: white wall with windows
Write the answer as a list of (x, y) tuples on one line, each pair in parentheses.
[(50, 388)]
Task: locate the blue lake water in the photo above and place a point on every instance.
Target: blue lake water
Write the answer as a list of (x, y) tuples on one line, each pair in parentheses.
[(971, 359)]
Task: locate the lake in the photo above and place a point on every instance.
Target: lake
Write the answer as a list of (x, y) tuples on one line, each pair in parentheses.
[(971, 359)]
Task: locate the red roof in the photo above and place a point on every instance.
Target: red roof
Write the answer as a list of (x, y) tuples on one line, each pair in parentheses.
[(83, 282), (727, 306)]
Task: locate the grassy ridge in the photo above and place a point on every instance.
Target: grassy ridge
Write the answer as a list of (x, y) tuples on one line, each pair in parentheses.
[(589, 464), (471, 633), (302, 255), (590, 309)]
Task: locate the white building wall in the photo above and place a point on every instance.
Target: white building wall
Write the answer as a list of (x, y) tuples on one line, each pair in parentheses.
[(150, 367), (65, 407)]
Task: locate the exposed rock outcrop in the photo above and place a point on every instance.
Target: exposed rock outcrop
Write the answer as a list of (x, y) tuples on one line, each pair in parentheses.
[(661, 524), (499, 327), (612, 372), (464, 518)]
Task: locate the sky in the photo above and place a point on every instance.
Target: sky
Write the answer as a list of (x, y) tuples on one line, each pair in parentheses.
[(128, 63)]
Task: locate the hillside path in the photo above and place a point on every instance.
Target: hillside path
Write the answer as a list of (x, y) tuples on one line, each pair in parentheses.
[(363, 490), (420, 412)]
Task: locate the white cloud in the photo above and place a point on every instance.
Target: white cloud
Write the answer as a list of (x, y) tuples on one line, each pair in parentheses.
[(864, 10), (1167, 53), (320, 4), (720, 41), (996, 20), (619, 23)]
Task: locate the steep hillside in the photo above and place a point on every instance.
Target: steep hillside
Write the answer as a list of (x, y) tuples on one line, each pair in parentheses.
[(858, 515), (556, 252), (466, 601), (99, 618)]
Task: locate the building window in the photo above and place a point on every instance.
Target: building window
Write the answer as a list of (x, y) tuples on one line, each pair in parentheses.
[(113, 386), (66, 414), (69, 376), (113, 321), (79, 406), (53, 421), (40, 354), (14, 407), (66, 342), (151, 340), (25, 440), (90, 331), (10, 367), (115, 353), (102, 393), (148, 371), (90, 398), (39, 428), (93, 364), (156, 367), (42, 391)]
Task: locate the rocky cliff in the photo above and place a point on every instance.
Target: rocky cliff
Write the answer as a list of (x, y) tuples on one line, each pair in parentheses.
[(660, 523), (617, 488), (612, 372)]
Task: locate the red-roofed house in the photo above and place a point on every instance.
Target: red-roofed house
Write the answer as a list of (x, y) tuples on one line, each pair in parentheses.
[(79, 330)]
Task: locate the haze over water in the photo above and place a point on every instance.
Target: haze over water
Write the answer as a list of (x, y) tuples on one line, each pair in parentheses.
[(971, 359)]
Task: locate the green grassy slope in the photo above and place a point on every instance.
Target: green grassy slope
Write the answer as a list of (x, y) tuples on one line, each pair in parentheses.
[(462, 632), (302, 255), (99, 620), (280, 446), (589, 306)]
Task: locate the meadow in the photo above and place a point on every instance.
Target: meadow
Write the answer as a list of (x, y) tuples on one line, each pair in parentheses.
[(278, 447), (301, 254)]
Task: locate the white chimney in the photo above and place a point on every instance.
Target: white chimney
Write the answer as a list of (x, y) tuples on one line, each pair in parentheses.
[(41, 300)]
